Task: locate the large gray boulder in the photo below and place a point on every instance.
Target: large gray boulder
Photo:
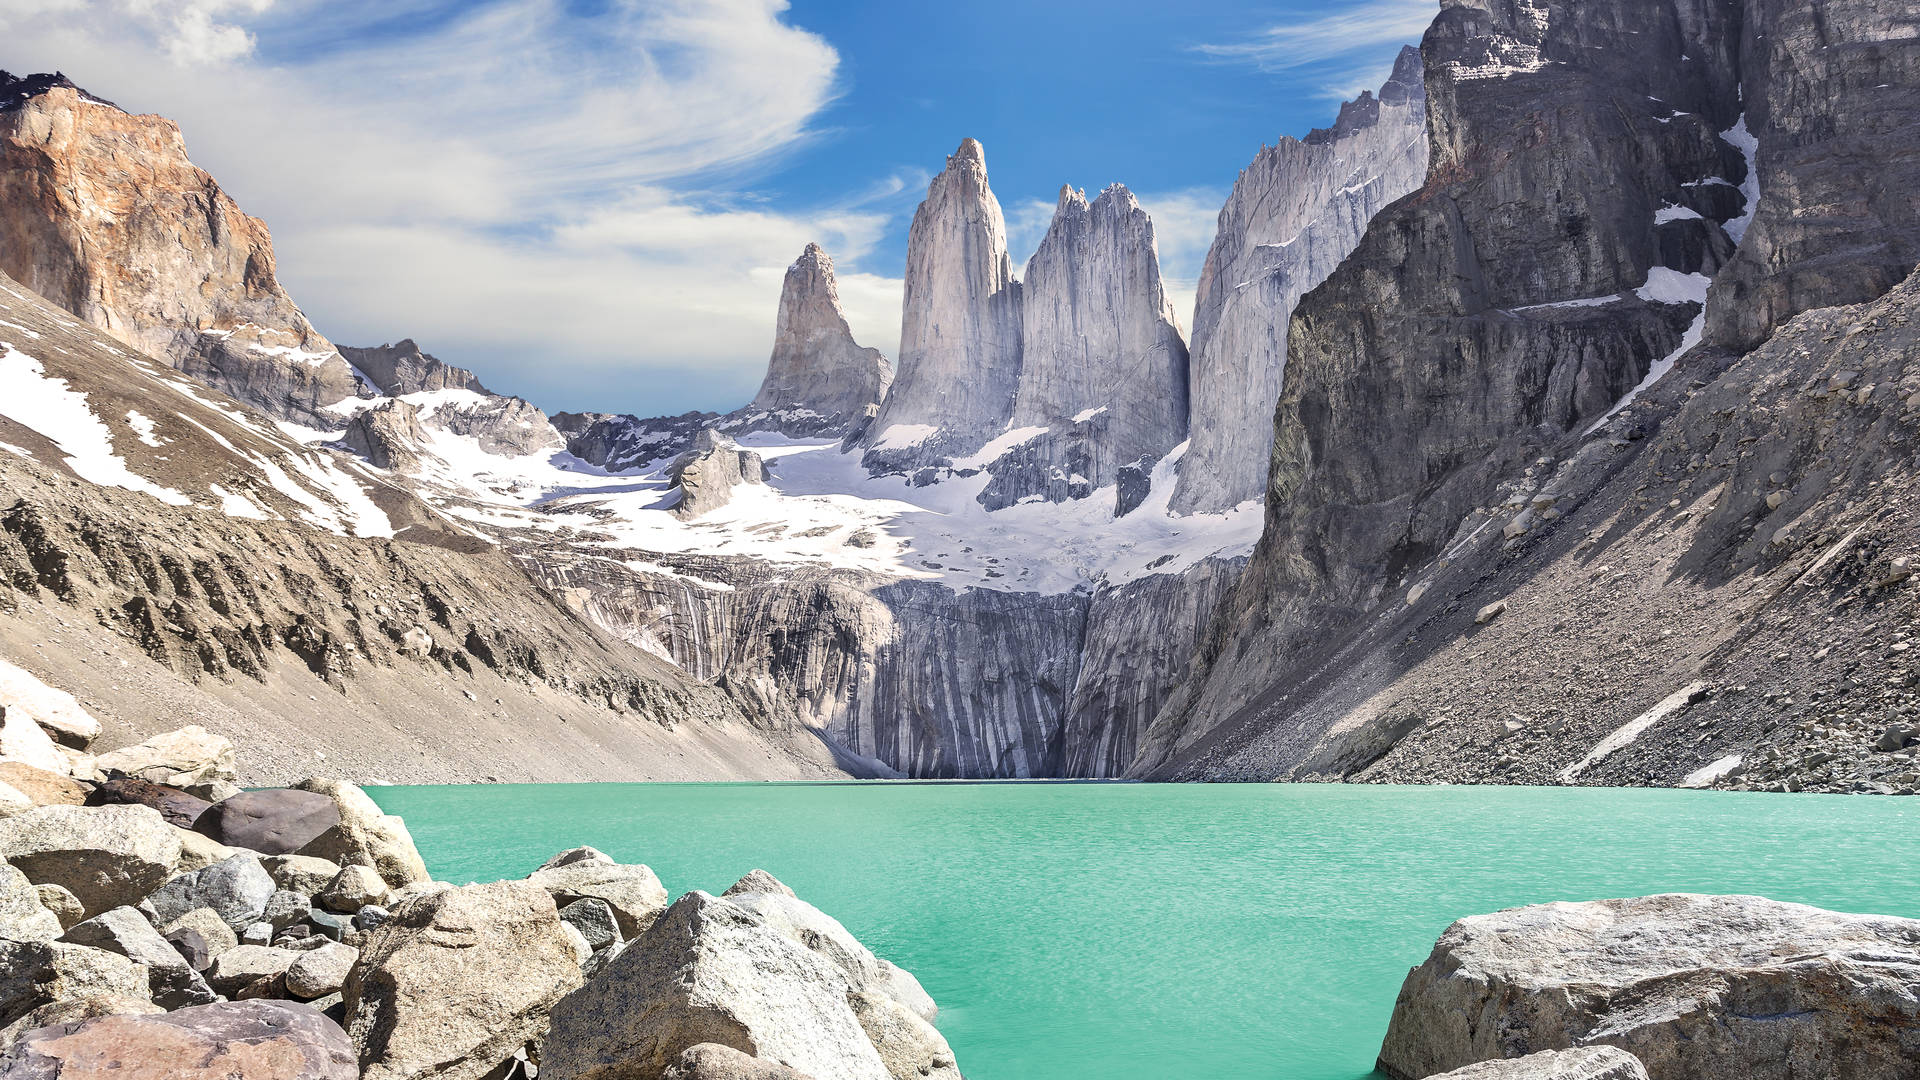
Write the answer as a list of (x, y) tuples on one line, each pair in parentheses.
[(237, 889), (37, 973), (271, 821), (630, 889), (710, 971), (1583, 1063), (364, 835), (107, 856), (171, 982), (22, 916), (187, 758), (458, 981), (1691, 985), (808, 926), (229, 1040)]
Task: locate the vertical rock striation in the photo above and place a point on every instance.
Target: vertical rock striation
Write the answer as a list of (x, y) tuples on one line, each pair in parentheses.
[(107, 218), (819, 380), (1103, 363), (1513, 300), (959, 326), (1294, 213)]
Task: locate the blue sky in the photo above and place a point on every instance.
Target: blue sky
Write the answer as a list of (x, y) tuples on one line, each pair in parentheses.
[(591, 201)]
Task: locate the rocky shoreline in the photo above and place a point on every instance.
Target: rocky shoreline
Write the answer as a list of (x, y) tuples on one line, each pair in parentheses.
[(153, 916)]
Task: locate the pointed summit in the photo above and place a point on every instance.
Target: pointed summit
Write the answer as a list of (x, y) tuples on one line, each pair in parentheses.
[(959, 326), (819, 380)]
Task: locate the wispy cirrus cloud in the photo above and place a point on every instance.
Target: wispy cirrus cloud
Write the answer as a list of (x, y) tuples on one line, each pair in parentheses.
[(1346, 43), (560, 195)]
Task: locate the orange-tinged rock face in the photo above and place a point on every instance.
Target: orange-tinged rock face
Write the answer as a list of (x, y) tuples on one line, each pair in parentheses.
[(103, 213), (259, 1040)]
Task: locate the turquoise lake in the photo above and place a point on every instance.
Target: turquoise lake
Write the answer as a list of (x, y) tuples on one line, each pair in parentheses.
[(1133, 930)]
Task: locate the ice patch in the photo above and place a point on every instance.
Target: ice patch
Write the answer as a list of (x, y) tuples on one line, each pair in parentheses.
[(1666, 286), (32, 398), (1675, 213), (1083, 417), (1748, 144)]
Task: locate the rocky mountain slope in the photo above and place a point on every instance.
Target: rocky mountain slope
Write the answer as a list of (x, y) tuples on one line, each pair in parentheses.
[(1610, 555), (1293, 215), (166, 553), (107, 218)]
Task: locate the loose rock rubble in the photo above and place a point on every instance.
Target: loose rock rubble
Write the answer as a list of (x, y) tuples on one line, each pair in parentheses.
[(294, 934)]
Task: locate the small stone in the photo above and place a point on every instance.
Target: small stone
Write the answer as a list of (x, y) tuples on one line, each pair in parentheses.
[(260, 933), (1489, 613), (285, 909), (371, 917), (320, 971), (246, 963), (63, 904), (353, 888), (238, 888), (22, 916), (594, 919), (300, 873), (199, 936)]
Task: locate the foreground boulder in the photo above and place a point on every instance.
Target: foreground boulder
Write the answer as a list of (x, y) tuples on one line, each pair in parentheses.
[(23, 916), (236, 888), (24, 741), (37, 973), (229, 1040), (1584, 1063), (106, 856), (171, 982), (178, 807), (271, 821), (192, 758), (806, 925), (364, 835), (1692, 986), (45, 787), (630, 889), (710, 971), (458, 981)]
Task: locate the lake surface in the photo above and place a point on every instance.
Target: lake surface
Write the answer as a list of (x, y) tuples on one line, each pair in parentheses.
[(1121, 930)]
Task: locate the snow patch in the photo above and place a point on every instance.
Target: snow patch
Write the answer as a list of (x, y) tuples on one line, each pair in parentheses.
[(1666, 286), (1675, 213), (1088, 414), (998, 447), (1704, 776), (143, 428), (1748, 144), (34, 399), (1626, 733), (902, 436)]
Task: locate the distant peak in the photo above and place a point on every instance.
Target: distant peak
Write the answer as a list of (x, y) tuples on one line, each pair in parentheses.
[(815, 257), (16, 90), (1070, 197), (970, 150)]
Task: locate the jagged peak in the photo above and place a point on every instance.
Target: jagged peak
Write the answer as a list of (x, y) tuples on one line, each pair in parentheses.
[(1402, 85), (1071, 198), (814, 257), (16, 90), (970, 150)]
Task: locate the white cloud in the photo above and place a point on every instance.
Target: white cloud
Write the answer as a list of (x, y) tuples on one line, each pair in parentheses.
[(1331, 37), (519, 188)]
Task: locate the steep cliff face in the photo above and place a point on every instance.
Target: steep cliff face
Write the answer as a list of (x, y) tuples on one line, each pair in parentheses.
[(819, 380), (401, 368), (106, 217), (1476, 568), (1832, 98), (1514, 299), (1294, 214), (1103, 369), (959, 326)]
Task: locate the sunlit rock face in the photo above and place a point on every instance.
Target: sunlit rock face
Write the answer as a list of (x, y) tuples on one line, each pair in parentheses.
[(106, 217), (1294, 213), (959, 325), (1103, 371), (819, 380)]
